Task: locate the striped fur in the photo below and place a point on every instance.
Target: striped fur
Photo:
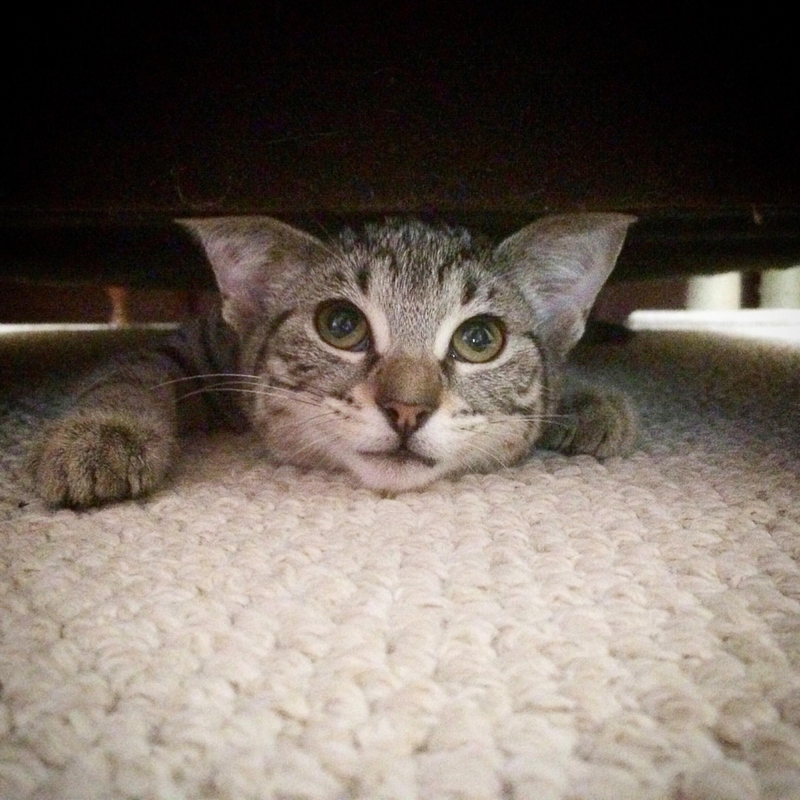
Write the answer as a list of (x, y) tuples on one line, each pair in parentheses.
[(401, 354)]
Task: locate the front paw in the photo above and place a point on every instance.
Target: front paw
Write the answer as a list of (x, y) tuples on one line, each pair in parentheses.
[(94, 457), (595, 421)]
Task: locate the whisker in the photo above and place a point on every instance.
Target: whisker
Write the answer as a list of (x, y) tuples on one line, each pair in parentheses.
[(317, 441), (234, 384), (263, 392), (242, 383), (492, 456), (303, 422), (557, 420), (183, 379), (498, 463)]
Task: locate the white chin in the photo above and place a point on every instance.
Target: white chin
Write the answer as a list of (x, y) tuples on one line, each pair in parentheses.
[(388, 474)]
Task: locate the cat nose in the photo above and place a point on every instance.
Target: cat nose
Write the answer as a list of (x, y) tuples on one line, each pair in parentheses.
[(407, 390), (404, 417)]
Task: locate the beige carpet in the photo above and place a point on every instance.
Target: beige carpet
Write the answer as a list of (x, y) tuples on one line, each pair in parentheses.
[(566, 630)]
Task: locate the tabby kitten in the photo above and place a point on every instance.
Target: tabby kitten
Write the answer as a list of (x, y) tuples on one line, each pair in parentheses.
[(402, 354)]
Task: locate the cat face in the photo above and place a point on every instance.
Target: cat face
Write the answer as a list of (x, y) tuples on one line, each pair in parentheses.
[(407, 353)]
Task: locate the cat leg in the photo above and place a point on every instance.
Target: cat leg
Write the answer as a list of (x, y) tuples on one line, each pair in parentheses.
[(594, 420), (118, 440)]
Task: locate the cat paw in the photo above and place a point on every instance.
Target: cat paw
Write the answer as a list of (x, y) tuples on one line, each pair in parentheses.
[(598, 422), (87, 459)]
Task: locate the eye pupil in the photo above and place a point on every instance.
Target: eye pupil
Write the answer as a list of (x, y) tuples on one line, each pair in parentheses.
[(342, 323), (477, 336)]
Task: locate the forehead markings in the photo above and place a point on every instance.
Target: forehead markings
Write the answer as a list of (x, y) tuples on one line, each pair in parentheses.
[(469, 291), (462, 287), (382, 278), (447, 266), (362, 278)]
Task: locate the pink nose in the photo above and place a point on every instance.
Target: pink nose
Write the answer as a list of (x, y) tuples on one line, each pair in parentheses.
[(405, 418)]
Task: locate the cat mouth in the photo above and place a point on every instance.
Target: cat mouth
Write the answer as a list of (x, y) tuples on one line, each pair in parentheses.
[(402, 455)]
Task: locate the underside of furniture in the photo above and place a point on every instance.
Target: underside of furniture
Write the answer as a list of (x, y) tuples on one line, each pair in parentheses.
[(328, 116)]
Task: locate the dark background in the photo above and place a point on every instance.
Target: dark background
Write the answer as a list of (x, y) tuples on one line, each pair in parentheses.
[(118, 119)]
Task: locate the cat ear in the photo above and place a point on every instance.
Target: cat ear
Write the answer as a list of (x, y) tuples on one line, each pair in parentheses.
[(560, 263), (255, 260)]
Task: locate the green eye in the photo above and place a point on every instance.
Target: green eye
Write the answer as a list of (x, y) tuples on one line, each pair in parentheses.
[(342, 325), (478, 340)]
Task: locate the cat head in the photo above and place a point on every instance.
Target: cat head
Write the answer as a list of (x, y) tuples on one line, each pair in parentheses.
[(408, 351)]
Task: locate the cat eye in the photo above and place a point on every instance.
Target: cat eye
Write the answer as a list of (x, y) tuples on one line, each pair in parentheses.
[(342, 325), (478, 340)]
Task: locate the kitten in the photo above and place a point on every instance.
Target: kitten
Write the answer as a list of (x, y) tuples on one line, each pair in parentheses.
[(403, 354)]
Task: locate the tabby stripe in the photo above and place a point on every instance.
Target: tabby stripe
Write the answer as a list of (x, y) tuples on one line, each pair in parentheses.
[(215, 337), (189, 368), (267, 337), (209, 347), (470, 290), (178, 357), (545, 372)]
